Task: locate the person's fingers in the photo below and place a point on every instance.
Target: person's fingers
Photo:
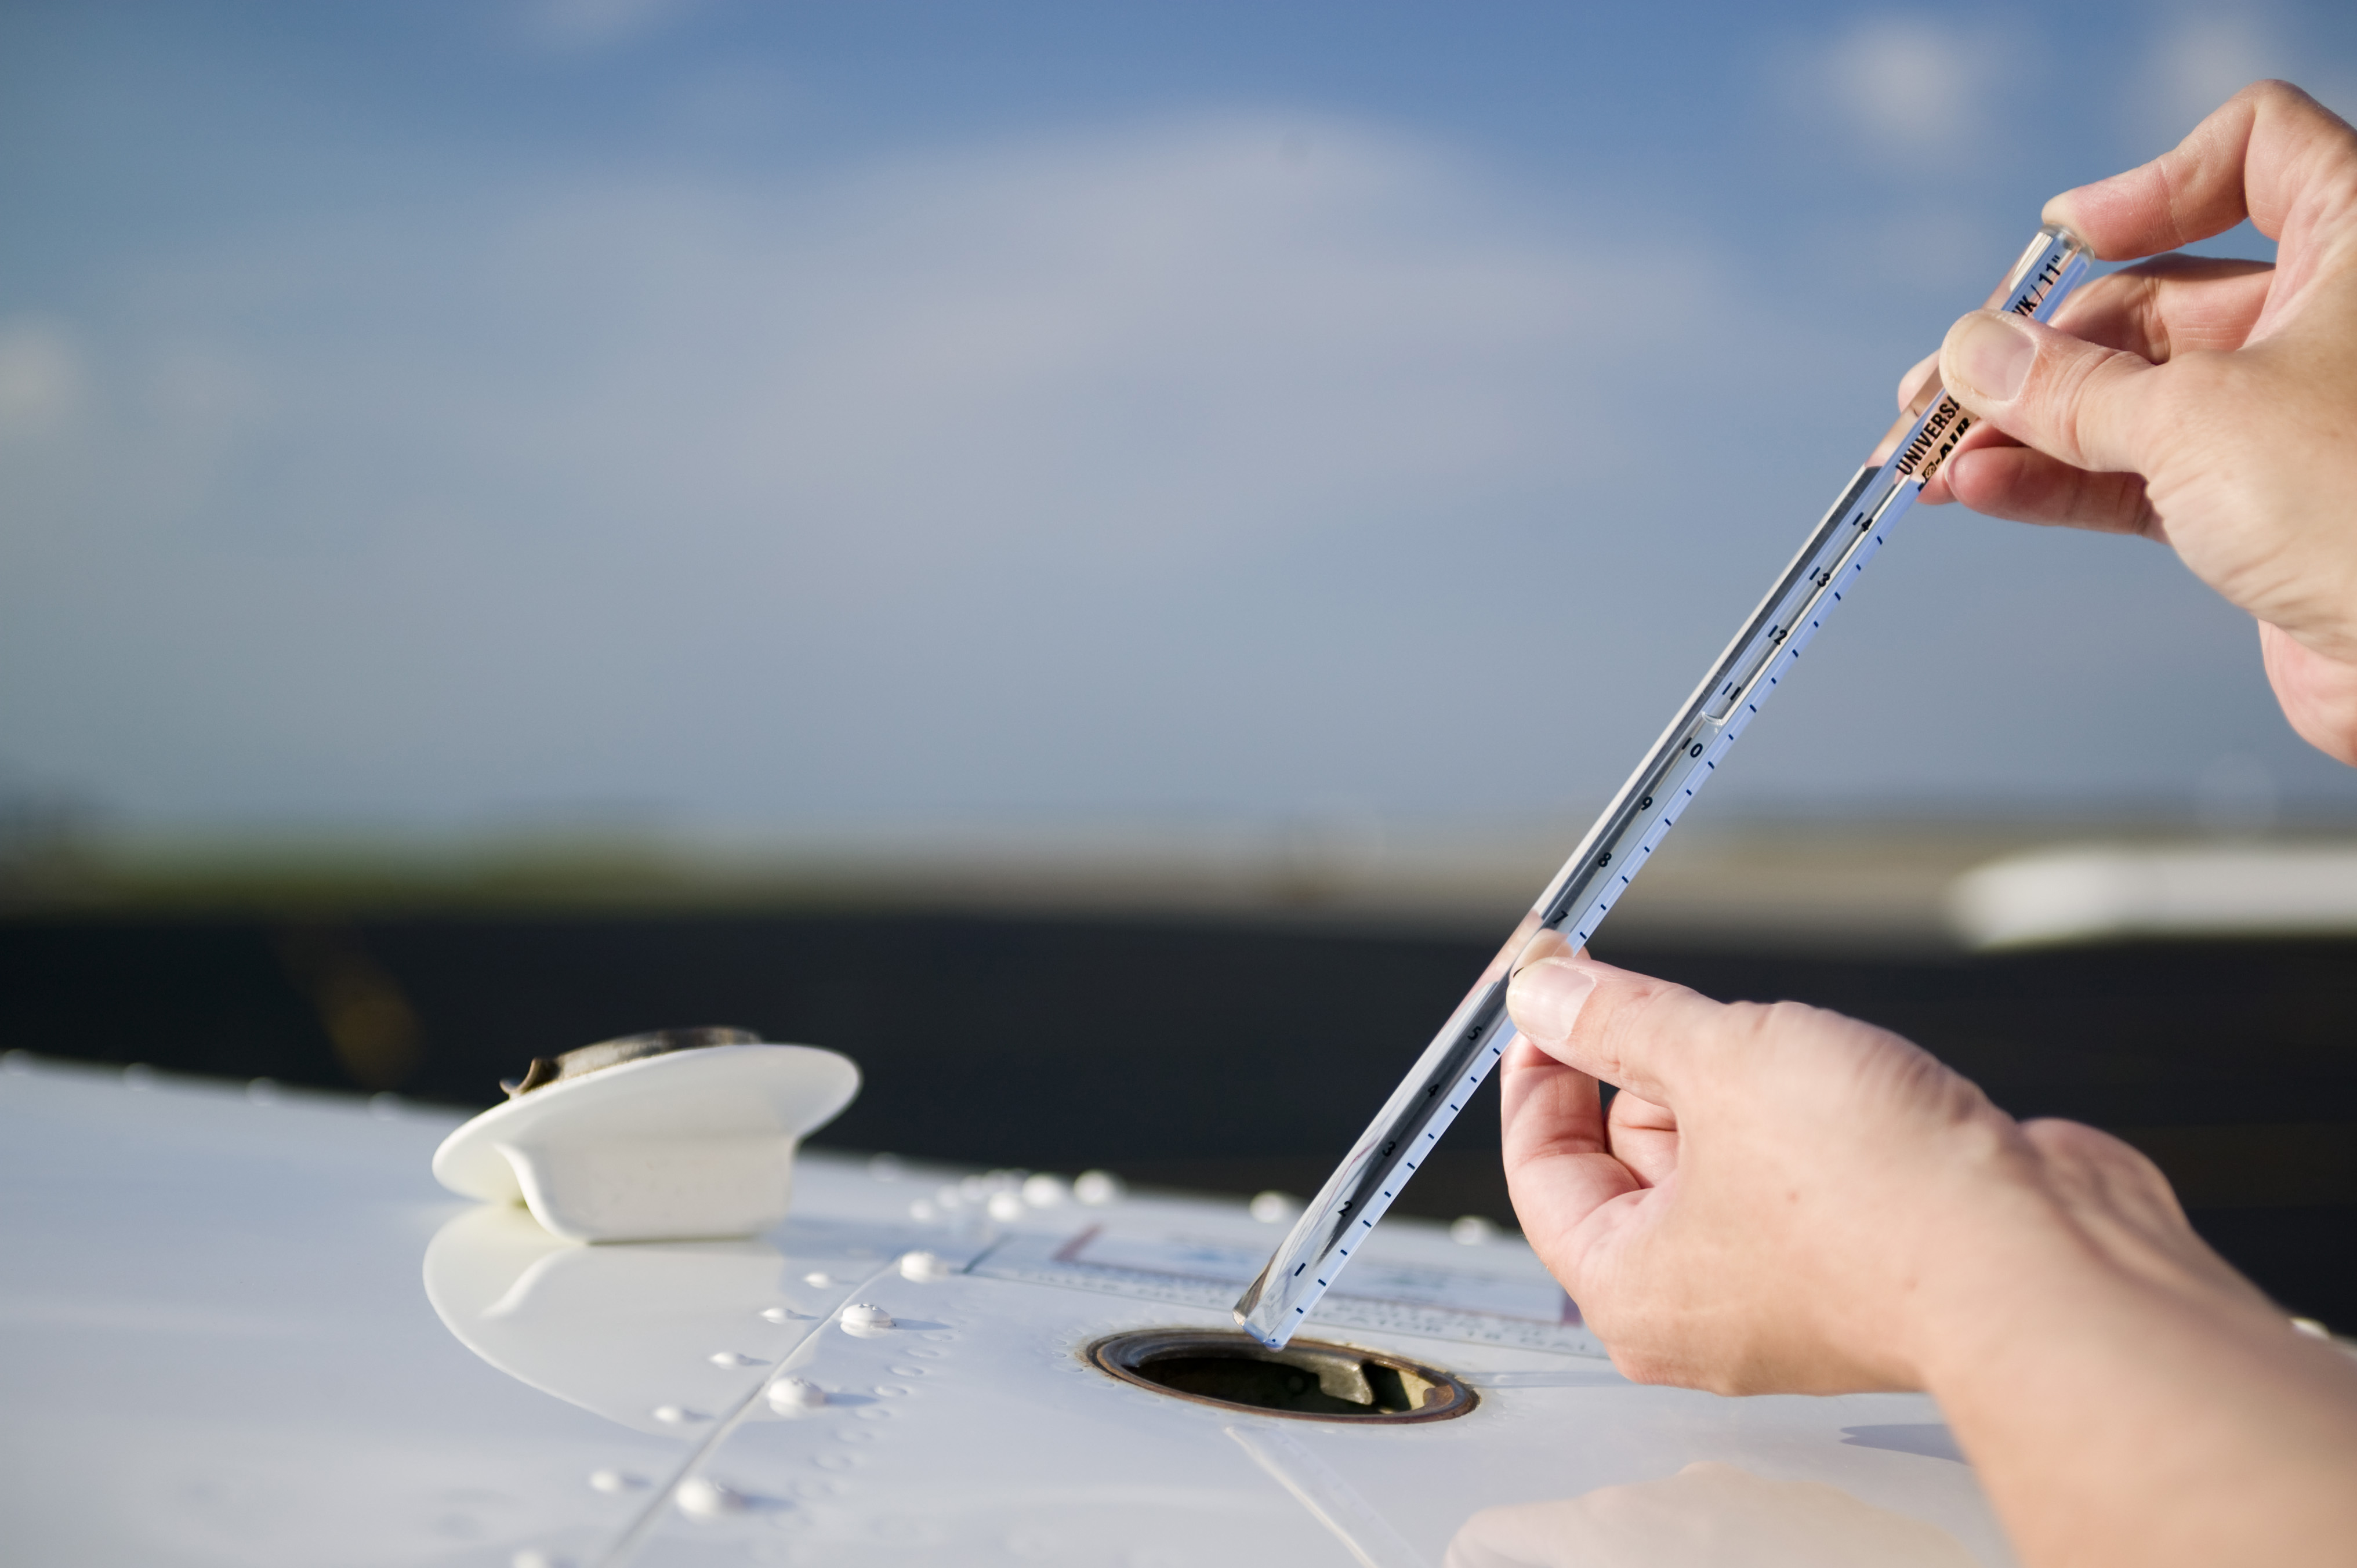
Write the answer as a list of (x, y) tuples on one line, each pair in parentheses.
[(1936, 490), (2177, 305), (1559, 1166), (2319, 695), (2012, 482), (2271, 153), (2156, 310), (2171, 305), (1547, 995), (2087, 405), (1644, 1137), (1637, 1033)]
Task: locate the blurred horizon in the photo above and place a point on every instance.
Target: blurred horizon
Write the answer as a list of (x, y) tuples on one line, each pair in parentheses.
[(647, 418)]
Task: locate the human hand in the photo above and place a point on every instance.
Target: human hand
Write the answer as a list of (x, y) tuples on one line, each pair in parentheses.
[(2208, 404), (1785, 1200)]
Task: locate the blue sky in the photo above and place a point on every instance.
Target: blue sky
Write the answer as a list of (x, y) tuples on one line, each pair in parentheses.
[(782, 415)]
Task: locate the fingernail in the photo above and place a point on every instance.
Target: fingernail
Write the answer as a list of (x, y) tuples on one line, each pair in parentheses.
[(1987, 354), (1545, 1000)]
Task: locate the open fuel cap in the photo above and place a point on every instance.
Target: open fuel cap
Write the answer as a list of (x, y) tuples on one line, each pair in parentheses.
[(672, 1135)]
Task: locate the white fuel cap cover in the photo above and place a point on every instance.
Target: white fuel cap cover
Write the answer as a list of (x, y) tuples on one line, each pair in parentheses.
[(687, 1144)]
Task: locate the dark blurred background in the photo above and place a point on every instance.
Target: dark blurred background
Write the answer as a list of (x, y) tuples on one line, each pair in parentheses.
[(1094, 557), (1236, 1052)]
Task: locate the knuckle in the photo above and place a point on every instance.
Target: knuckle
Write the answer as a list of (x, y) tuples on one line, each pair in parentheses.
[(1651, 1012), (2074, 395), (2273, 92), (1798, 1023), (1780, 1016), (2059, 390), (2077, 1151), (1642, 1364)]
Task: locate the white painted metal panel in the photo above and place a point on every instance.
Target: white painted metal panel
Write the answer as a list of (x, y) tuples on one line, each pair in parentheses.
[(222, 1345)]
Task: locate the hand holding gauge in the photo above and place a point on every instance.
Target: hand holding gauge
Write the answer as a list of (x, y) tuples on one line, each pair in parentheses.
[(1784, 1199), (1648, 806)]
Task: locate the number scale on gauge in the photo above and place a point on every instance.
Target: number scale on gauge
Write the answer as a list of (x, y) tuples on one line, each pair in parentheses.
[(1647, 807)]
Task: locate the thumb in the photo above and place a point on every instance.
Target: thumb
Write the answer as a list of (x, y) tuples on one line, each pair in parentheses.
[(2085, 406), (1640, 1034)]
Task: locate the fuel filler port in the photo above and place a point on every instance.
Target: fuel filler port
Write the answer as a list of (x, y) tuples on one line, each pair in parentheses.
[(1308, 1379)]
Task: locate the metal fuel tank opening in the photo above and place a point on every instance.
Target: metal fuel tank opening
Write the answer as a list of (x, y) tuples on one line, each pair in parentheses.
[(1308, 1379)]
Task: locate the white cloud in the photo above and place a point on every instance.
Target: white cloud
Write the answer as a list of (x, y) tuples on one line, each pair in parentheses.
[(43, 377), (1139, 347), (587, 25), (2202, 56), (514, 497), (1900, 84), (2197, 63), (1234, 462)]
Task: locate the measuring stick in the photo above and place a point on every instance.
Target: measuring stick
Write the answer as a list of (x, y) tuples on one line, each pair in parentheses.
[(1411, 1121)]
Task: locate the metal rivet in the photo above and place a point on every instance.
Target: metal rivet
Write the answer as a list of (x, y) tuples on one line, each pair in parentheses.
[(1273, 1207), (701, 1497), (923, 1267), (616, 1481), (735, 1358), (866, 1319), (794, 1396), (1472, 1230)]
